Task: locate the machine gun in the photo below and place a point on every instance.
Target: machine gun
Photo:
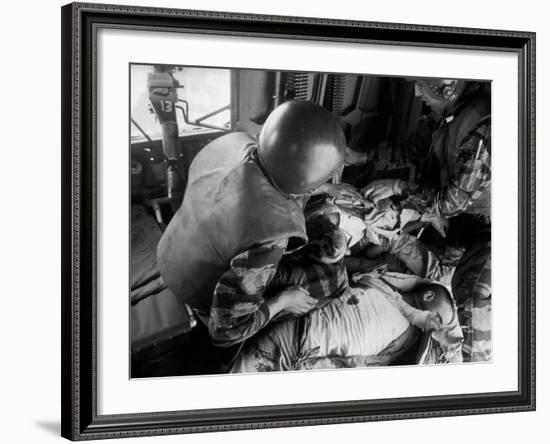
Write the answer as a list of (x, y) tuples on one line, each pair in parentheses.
[(162, 88)]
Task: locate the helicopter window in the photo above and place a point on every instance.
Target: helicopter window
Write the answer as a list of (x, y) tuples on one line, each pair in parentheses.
[(203, 102)]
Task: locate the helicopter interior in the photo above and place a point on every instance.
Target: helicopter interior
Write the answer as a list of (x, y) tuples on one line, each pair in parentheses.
[(175, 112)]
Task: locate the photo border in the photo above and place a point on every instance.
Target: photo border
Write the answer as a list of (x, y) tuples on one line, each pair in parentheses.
[(80, 23)]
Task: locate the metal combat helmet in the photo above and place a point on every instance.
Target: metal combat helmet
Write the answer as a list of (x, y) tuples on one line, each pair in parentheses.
[(439, 93), (301, 146)]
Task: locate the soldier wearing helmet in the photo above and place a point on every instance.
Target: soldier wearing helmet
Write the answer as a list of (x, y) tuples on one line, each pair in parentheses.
[(457, 161), (455, 178), (242, 210), (452, 152)]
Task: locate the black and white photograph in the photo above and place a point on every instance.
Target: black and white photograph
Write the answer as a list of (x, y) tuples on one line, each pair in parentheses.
[(297, 221), (275, 222)]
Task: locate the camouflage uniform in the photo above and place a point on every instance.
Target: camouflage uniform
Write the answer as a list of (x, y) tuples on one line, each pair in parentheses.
[(459, 158), (239, 309)]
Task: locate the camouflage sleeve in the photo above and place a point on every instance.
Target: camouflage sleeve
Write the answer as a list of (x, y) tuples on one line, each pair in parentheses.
[(238, 308), (471, 175)]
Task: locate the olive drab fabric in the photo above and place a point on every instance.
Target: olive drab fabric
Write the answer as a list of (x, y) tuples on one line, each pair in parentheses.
[(229, 206)]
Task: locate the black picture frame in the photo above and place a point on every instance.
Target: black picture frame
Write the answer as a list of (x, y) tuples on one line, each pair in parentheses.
[(80, 23)]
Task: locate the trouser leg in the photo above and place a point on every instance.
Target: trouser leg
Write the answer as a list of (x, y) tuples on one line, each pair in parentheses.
[(471, 285)]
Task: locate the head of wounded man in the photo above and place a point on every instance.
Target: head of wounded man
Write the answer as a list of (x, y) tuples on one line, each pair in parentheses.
[(436, 299), (327, 244)]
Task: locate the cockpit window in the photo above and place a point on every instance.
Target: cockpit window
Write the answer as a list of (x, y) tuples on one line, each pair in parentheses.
[(203, 101)]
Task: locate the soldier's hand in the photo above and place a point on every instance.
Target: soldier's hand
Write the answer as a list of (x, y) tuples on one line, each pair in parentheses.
[(343, 191), (384, 188), (296, 300)]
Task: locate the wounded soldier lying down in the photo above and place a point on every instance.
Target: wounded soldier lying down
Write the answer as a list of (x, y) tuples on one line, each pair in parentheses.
[(361, 328), (367, 324)]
